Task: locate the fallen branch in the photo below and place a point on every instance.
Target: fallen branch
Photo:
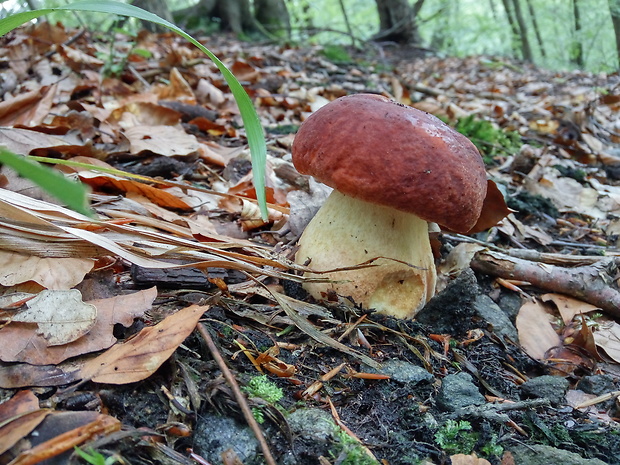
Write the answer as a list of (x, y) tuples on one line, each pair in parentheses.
[(590, 283)]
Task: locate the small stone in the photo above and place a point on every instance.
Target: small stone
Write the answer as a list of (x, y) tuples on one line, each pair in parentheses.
[(312, 423), (490, 312), (548, 387), (403, 372), (538, 454), (214, 434), (458, 391)]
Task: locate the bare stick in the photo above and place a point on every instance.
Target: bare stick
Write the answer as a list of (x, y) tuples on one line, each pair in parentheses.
[(590, 283), (239, 397)]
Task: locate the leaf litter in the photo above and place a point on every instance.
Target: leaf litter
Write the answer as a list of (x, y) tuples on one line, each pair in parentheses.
[(162, 147)]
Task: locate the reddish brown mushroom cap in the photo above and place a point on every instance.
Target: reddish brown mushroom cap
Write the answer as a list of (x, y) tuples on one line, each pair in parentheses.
[(377, 150)]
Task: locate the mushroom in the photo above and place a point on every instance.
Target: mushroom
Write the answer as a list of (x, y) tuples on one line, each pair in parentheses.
[(393, 169)]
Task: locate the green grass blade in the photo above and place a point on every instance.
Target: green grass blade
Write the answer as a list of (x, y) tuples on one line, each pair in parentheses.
[(251, 121), (71, 193)]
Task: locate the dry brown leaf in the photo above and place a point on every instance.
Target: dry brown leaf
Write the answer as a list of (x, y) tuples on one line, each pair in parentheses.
[(463, 459), (168, 141), (536, 334), (27, 108), (607, 337), (568, 307), (19, 416), (178, 89), (145, 114), (23, 141), (61, 316), (142, 355), (51, 273), (62, 431), (109, 182), (21, 344)]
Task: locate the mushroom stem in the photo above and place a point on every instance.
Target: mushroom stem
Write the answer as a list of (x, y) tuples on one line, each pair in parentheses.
[(347, 232)]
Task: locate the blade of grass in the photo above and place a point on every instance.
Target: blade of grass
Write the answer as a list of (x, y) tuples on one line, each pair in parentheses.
[(71, 193), (251, 121)]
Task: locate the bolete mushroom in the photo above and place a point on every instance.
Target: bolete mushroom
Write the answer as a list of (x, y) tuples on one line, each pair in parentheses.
[(393, 169)]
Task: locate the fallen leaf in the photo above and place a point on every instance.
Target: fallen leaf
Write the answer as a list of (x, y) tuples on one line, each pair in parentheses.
[(142, 355), (21, 344), (463, 459), (61, 316), (19, 416), (607, 337), (52, 273), (168, 141), (536, 334), (568, 307)]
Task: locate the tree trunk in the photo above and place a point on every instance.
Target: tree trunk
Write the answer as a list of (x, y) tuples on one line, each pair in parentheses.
[(577, 47), (397, 21), (270, 16), (514, 28), (525, 43), (273, 16), (614, 10), (158, 7), (541, 46)]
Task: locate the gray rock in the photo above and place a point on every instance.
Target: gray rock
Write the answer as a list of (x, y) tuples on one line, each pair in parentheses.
[(403, 372), (548, 387), (214, 434), (490, 312), (545, 455), (597, 384), (458, 391), (451, 311), (312, 423)]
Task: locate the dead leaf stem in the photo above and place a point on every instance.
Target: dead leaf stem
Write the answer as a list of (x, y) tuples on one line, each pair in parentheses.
[(239, 397)]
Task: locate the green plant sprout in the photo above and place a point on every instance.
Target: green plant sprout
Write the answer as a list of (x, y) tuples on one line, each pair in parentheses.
[(95, 458), (456, 437), (251, 121), (260, 386), (349, 451)]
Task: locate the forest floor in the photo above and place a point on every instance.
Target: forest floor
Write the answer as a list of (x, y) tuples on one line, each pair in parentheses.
[(186, 299)]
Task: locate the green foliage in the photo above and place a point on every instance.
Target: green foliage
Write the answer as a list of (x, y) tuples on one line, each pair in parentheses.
[(349, 451), (336, 54), (251, 121), (492, 448), (456, 437), (95, 458), (490, 140), (71, 193), (260, 386), (258, 415)]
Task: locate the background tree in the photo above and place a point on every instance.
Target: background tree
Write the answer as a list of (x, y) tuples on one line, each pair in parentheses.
[(397, 21), (576, 52), (614, 10), (526, 50), (237, 16)]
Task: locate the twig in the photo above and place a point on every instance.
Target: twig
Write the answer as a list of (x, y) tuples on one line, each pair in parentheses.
[(239, 397), (590, 283)]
